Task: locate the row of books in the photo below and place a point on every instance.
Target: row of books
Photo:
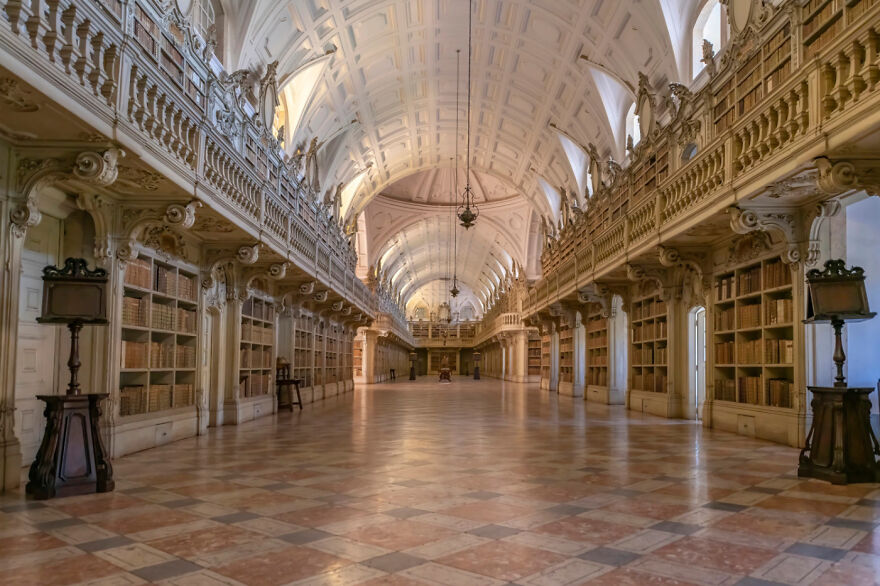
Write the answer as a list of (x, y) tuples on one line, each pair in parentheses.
[(749, 352), (258, 309), (779, 311), (256, 358), (749, 316), (134, 311), (134, 354), (649, 308), (749, 281), (597, 341), (649, 355), (748, 390), (779, 351), (649, 381), (256, 334), (139, 273), (724, 352), (170, 282), (776, 274), (598, 377), (725, 319), (650, 331)]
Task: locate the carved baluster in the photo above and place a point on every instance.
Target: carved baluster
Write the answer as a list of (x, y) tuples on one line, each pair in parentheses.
[(96, 62), (68, 46), (856, 83), (804, 108), (33, 24), (841, 93), (82, 52), (50, 37), (111, 80), (872, 59)]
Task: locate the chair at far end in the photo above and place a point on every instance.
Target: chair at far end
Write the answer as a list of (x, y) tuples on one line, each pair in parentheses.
[(282, 382)]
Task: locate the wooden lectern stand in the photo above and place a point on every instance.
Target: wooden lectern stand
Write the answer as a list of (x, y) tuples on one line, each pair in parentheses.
[(72, 458), (841, 446)]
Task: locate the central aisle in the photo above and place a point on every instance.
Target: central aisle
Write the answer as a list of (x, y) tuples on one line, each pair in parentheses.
[(469, 483)]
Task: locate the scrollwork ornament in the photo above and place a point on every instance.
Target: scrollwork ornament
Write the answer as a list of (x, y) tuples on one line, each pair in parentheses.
[(842, 176), (24, 216), (277, 271), (307, 288), (182, 216), (248, 255), (98, 168)]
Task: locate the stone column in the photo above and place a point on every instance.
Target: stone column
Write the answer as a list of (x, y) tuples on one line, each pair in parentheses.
[(233, 391), (371, 339), (16, 219)]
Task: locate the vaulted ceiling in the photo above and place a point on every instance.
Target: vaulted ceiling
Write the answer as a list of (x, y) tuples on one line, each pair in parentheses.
[(387, 97)]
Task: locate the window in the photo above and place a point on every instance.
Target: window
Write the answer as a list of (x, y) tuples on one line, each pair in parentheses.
[(711, 25), (205, 17), (632, 125)]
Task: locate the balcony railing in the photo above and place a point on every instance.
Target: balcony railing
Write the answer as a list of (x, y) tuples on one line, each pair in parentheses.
[(775, 98), (147, 79)]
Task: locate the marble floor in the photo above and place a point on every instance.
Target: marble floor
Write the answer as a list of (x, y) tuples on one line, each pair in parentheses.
[(474, 483)]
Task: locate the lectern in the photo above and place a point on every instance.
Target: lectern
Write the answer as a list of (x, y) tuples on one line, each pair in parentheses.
[(841, 446), (72, 458)]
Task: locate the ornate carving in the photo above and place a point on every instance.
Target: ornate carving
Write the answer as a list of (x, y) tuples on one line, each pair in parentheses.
[(98, 168), (16, 98), (784, 222), (307, 288), (747, 247), (277, 271), (837, 177), (212, 224), (248, 255), (182, 216), (139, 178), (74, 267), (23, 216), (164, 239), (321, 296)]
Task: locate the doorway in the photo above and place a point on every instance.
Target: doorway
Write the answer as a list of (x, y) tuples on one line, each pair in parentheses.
[(696, 362)]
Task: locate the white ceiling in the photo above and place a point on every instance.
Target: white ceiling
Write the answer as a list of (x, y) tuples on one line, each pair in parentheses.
[(394, 72)]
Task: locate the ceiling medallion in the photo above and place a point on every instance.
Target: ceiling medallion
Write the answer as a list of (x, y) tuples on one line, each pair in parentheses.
[(468, 212)]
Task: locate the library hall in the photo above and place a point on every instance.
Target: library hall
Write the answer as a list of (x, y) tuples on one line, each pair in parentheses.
[(440, 292)]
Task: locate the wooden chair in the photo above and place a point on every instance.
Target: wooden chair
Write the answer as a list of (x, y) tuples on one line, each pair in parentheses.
[(282, 381)]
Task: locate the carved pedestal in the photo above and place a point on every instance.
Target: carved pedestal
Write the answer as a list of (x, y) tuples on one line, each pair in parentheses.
[(71, 459), (841, 447)]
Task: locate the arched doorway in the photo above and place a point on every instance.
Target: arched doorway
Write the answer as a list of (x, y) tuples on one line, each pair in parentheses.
[(696, 363)]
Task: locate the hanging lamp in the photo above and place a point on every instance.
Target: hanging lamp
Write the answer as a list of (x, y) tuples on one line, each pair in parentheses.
[(455, 291), (468, 212)]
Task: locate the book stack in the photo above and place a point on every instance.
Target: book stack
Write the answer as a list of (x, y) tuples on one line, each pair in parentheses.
[(134, 354), (780, 392), (750, 389), (776, 274), (749, 352), (183, 395), (134, 311), (166, 281), (724, 288), (724, 319), (724, 352), (138, 274), (161, 355), (162, 316), (160, 397), (186, 357), (725, 389), (779, 311), (186, 321), (186, 287), (132, 400), (749, 316), (749, 281), (780, 351)]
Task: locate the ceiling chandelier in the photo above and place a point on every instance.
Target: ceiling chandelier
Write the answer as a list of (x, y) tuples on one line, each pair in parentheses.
[(455, 291), (468, 211)]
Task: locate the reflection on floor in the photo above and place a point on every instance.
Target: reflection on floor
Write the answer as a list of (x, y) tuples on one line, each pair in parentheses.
[(473, 483)]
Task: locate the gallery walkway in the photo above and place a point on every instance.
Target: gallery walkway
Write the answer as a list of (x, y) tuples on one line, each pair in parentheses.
[(469, 483)]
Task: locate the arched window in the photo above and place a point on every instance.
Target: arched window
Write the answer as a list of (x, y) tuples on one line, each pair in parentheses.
[(711, 25), (207, 17), (632, 125)]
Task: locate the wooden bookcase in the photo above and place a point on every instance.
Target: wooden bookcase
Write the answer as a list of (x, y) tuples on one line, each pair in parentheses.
[(597, 346), (331, 356), (753, 334), (545, 357), (303, 350), (358, 357), (420, 329), (320, 356), (764, 71), (534, 366), (566, 354), (160, 316), (256, 348), (649, 344)]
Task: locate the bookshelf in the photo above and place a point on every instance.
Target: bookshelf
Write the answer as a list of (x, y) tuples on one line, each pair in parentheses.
[(753, 334), (303, 350), (762, 72), (566, 354), (534, 366), (256, 348), (358, 357), (332, 358), (649, 344), (159, 325), (597, 346), (545, 357)]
